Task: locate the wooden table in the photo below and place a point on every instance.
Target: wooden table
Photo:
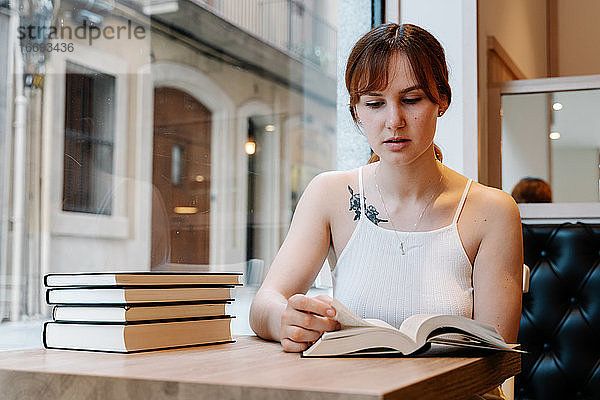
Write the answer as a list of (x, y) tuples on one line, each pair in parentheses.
[(248, 369)]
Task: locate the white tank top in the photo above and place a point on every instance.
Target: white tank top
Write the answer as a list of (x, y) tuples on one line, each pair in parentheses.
[(374, 279)]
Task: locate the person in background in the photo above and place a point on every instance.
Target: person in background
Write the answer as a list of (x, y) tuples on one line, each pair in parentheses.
[(532, 190), (404, 234)]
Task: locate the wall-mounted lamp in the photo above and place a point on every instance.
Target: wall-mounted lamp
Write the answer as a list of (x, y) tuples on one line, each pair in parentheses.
[(250, 146), (270, 128), (557, 106), (554, 135)]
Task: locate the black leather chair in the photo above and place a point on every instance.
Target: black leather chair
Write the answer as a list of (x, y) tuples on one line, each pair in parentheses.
[(560, 322)]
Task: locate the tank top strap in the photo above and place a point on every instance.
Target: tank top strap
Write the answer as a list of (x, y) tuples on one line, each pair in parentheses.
[(462, 201), (363, 200)]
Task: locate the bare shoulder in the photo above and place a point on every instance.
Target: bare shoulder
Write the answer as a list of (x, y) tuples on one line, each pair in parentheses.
[(494, 200), (332, 178), (326, 190), (493, 207), (331, 184)]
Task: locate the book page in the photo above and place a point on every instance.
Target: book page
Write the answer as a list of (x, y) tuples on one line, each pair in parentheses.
[(425, 327), (379, 323), (418, 331), (410, 326), (350, 320)]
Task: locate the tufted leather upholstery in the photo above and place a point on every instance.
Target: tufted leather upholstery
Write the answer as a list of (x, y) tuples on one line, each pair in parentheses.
[(560, 322)]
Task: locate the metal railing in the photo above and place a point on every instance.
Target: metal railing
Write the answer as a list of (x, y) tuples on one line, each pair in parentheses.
[(289, 25)]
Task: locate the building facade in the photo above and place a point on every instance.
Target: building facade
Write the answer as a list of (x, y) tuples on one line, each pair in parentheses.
[(160, 135)]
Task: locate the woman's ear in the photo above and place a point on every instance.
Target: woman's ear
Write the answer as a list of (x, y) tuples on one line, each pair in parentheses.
[(442, 107), (445, 103)]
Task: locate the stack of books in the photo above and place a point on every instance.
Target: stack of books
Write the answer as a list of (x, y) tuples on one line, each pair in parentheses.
[(138, 311)]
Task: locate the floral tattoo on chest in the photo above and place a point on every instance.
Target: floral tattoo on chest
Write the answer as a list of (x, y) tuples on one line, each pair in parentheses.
[(371, 212)]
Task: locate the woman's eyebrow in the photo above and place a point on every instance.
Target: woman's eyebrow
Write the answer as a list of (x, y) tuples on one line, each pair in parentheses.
[(403, 91), (410, 89), (372, 94)]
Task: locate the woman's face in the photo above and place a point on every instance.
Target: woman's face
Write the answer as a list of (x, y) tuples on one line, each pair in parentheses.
[(400, 120)]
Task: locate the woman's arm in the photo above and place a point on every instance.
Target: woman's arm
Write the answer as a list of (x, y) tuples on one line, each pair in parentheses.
[(280, 311), (498, 266)]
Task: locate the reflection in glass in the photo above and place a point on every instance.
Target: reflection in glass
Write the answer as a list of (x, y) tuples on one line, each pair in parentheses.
[(556, 137), (185, 142), (176, 164), (89, 140)]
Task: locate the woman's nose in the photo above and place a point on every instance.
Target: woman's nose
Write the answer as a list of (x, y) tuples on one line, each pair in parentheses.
[(395, 117)]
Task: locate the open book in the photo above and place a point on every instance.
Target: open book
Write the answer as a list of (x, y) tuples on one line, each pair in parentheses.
[(373, 336)]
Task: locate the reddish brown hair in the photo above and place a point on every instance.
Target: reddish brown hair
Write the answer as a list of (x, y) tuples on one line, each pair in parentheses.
[(532, 190), (368, 64)]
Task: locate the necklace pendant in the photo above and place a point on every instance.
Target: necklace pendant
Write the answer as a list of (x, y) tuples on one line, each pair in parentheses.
[(402, 248)]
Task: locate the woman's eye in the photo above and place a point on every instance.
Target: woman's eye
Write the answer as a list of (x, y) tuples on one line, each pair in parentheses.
[(374, 104), (412, 100)]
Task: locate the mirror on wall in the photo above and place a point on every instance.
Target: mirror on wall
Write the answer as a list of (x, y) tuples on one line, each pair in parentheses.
[(554, 136)]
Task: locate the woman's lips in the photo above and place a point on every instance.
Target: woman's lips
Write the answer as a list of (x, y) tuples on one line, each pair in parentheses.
[(396, 144)]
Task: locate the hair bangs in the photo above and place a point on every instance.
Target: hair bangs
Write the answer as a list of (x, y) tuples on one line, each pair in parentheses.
[(371, 73), (424, 75)]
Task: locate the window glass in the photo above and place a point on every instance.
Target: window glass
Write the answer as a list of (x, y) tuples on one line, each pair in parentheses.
[(158, 135), (89, 116)]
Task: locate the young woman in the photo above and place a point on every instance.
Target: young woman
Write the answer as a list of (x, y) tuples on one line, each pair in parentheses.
[(405, 234)]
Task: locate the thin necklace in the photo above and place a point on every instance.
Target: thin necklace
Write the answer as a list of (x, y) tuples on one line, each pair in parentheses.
[(402, 249)]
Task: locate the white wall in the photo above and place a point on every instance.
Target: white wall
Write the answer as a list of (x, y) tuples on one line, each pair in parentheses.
[(520, 27), (578, 32), (454, 24), (524, 138), (575, 174)]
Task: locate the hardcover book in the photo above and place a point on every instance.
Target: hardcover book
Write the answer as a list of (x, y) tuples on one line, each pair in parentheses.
[(134, 337), (131, 295), (128, 313), (371, 336), (116, 279)]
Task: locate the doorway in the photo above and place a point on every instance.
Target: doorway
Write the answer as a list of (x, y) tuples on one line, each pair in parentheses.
[(181, 173), (263, 190)]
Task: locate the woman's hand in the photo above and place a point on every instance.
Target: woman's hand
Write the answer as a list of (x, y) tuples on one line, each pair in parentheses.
[(304, 321)]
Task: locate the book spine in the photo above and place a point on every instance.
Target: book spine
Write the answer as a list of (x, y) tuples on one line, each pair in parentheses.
[(145, 350), (145, 321), (141, 304), (44, 342)]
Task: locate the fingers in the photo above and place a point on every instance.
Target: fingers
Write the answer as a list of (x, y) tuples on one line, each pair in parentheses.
[(296, 338), (309, 325), (298, 334), (294, 347), (304, 321), (320, 305)]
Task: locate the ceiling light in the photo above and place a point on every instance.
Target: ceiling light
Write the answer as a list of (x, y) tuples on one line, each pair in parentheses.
[(185, 210), (554, 135), (270, 128), (557, 106)]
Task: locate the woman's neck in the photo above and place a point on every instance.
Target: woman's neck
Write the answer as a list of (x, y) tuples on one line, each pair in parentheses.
[(413, 182)]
